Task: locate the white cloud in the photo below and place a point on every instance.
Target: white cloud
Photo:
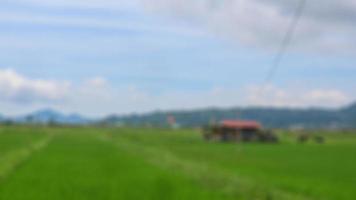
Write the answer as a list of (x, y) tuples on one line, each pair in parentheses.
[(97, 82), (94, 89), (296, 97), (96, 96), (115, 22), (107, 4), (325, 27), (18, 88), (129, 99)]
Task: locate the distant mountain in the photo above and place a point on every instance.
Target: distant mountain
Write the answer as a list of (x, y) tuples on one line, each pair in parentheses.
[(51, 116), (349, 114), (350, 109), (270, 117)]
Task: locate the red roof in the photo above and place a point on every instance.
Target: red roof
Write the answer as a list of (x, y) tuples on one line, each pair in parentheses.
[(237, 124)]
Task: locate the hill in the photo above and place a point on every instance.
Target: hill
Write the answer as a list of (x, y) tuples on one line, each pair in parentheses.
[(270, 117), (50, 116)]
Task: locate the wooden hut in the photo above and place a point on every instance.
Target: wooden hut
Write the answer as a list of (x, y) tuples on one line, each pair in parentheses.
[(237, 130)]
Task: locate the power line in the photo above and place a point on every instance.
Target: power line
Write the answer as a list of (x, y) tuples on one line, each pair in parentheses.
[(284, 45)]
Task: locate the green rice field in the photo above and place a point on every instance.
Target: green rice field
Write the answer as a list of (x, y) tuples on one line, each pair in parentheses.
[(87, 163)]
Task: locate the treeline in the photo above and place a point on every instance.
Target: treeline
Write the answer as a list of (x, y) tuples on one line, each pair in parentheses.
[(270, 117)]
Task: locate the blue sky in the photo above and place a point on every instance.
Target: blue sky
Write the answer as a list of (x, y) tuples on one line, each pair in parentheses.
[(120, 56)]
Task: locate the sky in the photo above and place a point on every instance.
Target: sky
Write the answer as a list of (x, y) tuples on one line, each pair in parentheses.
[(134, 56)]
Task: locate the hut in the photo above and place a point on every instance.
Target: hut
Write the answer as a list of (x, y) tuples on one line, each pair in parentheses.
[(240, 131)]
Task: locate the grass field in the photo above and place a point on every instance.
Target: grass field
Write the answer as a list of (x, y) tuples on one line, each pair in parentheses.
[(91, 163)]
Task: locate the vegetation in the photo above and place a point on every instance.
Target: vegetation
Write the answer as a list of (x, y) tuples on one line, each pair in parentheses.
[(343, 118), (282, 117), (125, 163)]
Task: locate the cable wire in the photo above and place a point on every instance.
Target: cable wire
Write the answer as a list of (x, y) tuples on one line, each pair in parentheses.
[(284, 45)]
